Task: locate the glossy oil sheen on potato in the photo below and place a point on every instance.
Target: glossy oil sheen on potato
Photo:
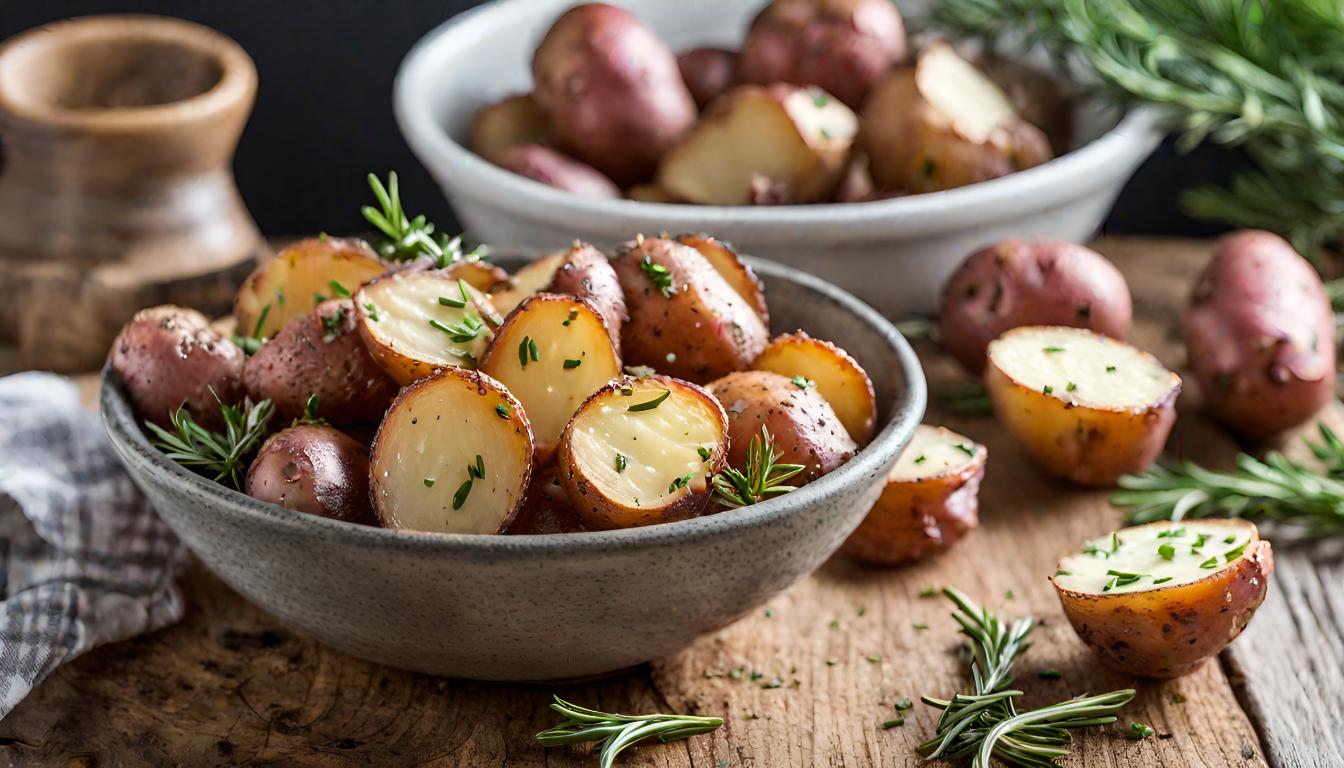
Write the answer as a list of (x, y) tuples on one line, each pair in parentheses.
[(837, 376)]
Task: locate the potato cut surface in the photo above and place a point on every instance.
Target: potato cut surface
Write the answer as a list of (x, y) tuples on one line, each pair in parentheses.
[(837, 376), (1081, 367), (732, 269), (529, 279), (1154, 556), (423, 320), (299, 278), (552, 353), (637, 457), (453, 455), (933, 451), (971, 102)]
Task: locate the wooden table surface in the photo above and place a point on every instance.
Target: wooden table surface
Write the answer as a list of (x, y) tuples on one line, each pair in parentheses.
[(230, 686)]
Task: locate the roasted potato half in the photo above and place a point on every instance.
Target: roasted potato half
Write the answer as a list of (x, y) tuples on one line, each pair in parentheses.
[(1260, 334), (481, 275), (453, 455), (685, 319), (642, 451), (836, 375), (532, 277), (803, 425), (586, 273), (417, 321), (941, 124), (763, 145), (732, 269), (552, 352), (168, 357), (314, 469), (321, 353), (512, 122), (1157, 600), (931, 500), (1086, 407), (300, 277)]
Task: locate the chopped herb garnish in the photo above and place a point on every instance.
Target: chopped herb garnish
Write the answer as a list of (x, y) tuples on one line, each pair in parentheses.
[(928, 592), (802, 382), (429, 482), (649, 405), (1063, 573), (477, 470), (1049, 674), (831, 661), (921, 458), (1177, 698), (903, 705), (703, 451), (1047, 389), (339, 290), (572, 364), (1172, 533), (1162, 580), (1139, 731), (463, 332), (769, 614), (460, 497), (1052, 349), (680, 483), (1233, 554), (1071, 387), (1167, 551), (621, 463), (920, 627), (966, 449), (261, 321), (573, 314), (819, 99), (658, 275), (502, 411), (835, 624), (875, 658), (1229, 538), (888, 725), (527, 351), (1110, 369), (1212, 562), (371, 310), (456, 303)]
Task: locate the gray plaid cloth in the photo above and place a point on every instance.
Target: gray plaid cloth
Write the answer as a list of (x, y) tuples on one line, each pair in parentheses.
[(85, 559)]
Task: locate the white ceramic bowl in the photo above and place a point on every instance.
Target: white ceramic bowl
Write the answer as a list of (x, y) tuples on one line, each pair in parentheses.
[(894, 254)]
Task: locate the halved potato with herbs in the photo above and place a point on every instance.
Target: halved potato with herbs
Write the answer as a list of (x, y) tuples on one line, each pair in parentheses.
[(931, 500), (301, 276), (453, 455), (642, 451), (418, 321), (836, 375), (481, 275), (1157, 599), (732, 269), (552, 352), (1086, 407), (530, 278)]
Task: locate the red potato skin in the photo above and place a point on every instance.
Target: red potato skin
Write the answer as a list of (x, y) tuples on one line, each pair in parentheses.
[(549, 167), (805, 428), (842, 46), (1259, 332), (546, 508), (587, 274), (708, 72), (314, 469), (612, 91), (309, 358), (1169, 633), (1030, 282), (168, 357)]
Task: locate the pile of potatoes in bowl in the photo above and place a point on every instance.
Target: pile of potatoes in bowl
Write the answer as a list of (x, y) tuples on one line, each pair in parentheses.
[(441, 394), (824, 102)]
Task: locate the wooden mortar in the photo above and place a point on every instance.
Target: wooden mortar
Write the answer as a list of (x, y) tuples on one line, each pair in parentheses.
[(116, 180)]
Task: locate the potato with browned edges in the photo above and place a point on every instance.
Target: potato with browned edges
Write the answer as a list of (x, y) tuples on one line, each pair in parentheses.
[(314, 469), (611, 90), (731, 268), (685, 319), (941, 124), (931, 499), (1086, 407), (300, 277), (584, 272), (321, 354), (804, 427), (1030, 282), (1157, 600), (168, 357), (453, 455), (642, 451), (837, 376)]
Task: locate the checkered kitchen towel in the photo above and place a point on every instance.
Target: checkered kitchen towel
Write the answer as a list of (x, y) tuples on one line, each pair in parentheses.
[(83, 558)]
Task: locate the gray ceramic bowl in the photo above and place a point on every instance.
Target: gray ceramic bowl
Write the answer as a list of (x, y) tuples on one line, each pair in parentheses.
[(893, 254), (541, 607)]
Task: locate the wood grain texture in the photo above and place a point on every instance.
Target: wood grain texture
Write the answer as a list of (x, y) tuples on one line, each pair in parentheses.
[(229, 686)]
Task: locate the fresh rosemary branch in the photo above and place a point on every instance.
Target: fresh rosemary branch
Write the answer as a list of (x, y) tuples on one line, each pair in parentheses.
[(409, 238), (220, 454), (616, 732), (1263, 74), (987, 724), (1276, 489), (761, 478)]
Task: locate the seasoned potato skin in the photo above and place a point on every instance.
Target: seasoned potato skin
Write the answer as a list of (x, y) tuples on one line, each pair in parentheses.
[(708, 72), (805, 428), (546, 508), (321, 354), (168, 356), (843, 46), (915, 519), (1168, 632), (586, 272), (729, 264), (839, 378), (1030, 282), (702, 331), (1259, 332), (612, 90), (315, 469), (549, 167)]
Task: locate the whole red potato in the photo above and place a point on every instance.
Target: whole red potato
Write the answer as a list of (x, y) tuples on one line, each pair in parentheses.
[(1030, 282), (1260, 335), (708, 72), (314, 469), (843, 46)]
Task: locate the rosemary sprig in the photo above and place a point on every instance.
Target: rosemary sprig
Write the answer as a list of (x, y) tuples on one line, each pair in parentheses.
[(968, 398), (1262, 74), (1276, 489), (616, 732), (761, 478), (214, 453), (987, 724), (409, 238)]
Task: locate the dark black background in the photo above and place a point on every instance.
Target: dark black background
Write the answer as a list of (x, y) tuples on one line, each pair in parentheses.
[(324, 110)]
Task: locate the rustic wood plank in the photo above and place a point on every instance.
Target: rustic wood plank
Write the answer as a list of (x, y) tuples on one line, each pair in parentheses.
[(229, 686)]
